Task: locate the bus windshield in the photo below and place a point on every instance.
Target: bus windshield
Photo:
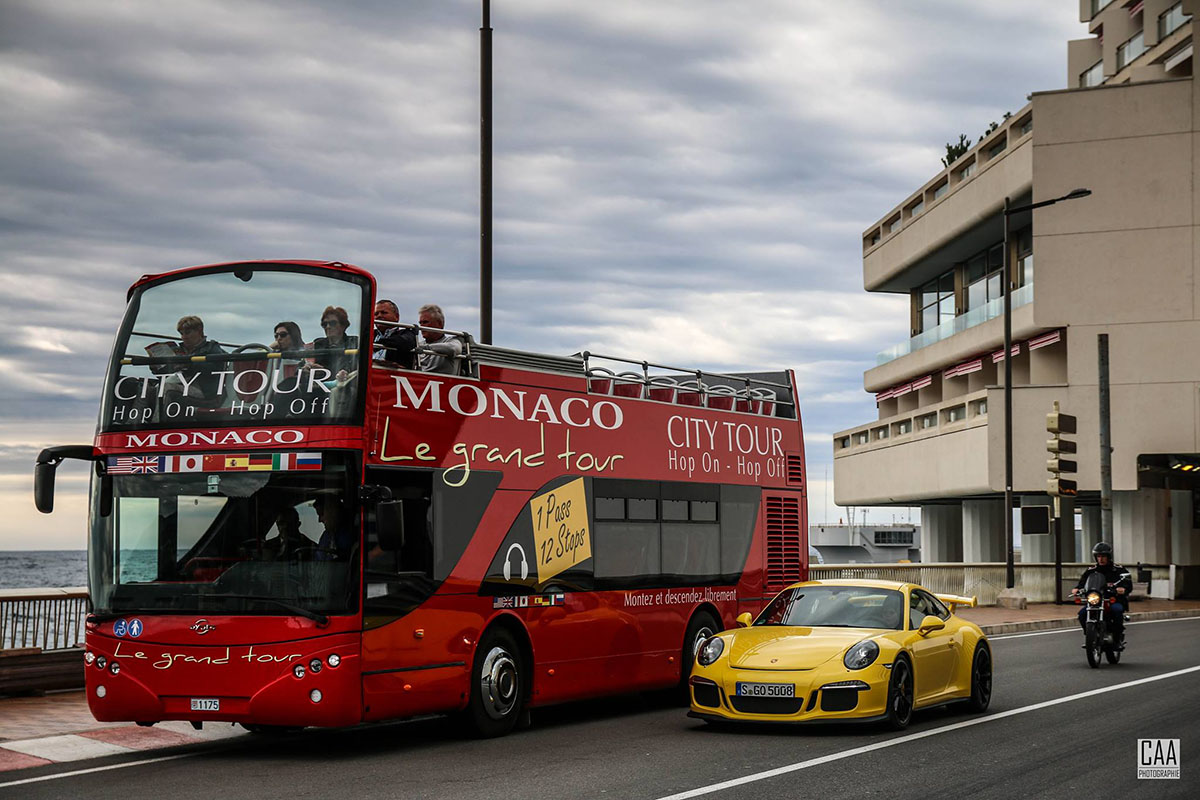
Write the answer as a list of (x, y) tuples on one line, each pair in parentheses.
[(275, 535), (241, 345)]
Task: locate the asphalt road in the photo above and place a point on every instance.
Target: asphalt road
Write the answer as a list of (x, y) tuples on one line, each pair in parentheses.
[(1056, 728)]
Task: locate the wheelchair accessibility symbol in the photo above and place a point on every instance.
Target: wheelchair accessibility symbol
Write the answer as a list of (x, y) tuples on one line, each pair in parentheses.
[(120, 627)]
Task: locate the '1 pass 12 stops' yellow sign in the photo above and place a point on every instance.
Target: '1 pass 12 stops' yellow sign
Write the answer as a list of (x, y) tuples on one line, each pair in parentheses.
[(560, 529)]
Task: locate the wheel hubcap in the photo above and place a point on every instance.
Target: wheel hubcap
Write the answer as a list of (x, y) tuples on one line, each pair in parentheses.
[(902, 705), (499, 683), (983, 677)]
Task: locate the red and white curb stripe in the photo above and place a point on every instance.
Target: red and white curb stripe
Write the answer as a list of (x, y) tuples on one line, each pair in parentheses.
[(105, 742)]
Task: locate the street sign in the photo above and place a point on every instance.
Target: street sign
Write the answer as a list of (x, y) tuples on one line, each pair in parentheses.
[(1035, 520)]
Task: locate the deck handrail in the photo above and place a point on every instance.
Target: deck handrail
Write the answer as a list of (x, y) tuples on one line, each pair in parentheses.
[(50, 619)]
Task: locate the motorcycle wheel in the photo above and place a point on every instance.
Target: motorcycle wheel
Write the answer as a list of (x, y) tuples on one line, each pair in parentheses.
[(1094, 639), (1112, 654)]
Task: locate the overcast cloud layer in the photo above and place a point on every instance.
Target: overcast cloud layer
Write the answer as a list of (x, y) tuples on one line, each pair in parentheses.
[(682, 181)]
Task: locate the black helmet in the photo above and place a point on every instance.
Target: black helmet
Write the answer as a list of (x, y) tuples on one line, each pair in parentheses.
[(1102, 549)]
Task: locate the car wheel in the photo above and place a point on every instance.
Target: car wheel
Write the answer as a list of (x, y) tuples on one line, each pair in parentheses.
[(981, 679), (497, 685), (900, 695)]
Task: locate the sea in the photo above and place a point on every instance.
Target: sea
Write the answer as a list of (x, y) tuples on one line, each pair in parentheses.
[(42, 569)]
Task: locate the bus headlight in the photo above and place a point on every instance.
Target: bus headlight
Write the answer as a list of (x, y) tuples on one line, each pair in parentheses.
[(315, 665), (315, 695), (298, 670), (114, 667), (334, 659)]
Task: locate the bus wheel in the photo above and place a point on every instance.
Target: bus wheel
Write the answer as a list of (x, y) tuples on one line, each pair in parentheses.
[(497, 685)]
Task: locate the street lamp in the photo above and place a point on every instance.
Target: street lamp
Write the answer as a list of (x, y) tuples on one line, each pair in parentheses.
[(1074, 194)]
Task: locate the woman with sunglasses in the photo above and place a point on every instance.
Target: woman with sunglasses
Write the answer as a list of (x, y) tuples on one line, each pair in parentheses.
[(335, 322)]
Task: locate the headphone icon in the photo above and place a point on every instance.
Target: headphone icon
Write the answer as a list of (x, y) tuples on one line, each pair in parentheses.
[(508, 562)]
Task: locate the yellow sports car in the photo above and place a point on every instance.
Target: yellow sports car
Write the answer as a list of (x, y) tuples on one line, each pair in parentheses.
[(838, 650)]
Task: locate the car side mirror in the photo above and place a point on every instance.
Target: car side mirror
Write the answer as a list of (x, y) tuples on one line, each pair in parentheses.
[(931, 624), (745, 619)]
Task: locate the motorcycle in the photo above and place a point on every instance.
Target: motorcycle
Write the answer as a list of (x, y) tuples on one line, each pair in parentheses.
[(1097, 597)]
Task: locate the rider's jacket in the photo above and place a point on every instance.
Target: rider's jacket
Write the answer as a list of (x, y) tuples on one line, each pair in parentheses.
[(1113, 573)]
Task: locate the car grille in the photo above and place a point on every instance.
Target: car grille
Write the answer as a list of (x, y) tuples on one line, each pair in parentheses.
[(767, 705), (706, 694), (838, 699)]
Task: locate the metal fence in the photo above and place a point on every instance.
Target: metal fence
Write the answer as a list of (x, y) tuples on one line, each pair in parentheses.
[(51, 619), (985, 581)]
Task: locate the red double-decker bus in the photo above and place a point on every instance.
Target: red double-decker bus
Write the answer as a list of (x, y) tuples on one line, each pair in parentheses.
[(286, 532)]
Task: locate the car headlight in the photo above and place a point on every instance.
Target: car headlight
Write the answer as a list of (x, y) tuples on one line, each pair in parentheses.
[(861, 655), (710, 651)]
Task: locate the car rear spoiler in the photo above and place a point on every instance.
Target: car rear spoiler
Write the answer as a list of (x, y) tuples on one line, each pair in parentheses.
[(953, 600)]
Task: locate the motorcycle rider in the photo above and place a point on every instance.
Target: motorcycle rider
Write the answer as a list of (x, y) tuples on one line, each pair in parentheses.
[(1115, 575)]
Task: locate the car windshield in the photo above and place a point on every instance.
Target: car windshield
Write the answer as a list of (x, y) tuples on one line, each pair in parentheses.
[(258, 533), (253, 344), (836, 607)]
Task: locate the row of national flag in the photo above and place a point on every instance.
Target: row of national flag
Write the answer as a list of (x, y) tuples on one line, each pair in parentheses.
[(219, 462)]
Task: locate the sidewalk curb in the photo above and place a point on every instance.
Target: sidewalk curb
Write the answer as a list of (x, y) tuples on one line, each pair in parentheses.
[(1068, 622)]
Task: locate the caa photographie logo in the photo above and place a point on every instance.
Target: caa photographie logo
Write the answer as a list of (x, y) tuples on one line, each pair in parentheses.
[(1158, 759)]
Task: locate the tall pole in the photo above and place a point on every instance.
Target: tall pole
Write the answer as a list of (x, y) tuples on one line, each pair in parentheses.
[(1106, 528), (1010, 573), (485, 175)]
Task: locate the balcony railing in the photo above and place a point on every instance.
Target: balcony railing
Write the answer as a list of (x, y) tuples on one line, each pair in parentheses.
[(976, 316)]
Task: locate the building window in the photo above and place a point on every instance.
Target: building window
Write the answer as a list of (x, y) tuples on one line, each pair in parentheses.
[(937, 301), (967, 171), (941, 190), (881, 433), (1130, 50), (955, 414), (1093, 75), (1024, 272), (983, 276), (862, 437), (928, 421), (904, 426), (916, 208), (1098, 6), (997, 148), (843, 443), (894, 537), (1027, 126), (1171, 19)]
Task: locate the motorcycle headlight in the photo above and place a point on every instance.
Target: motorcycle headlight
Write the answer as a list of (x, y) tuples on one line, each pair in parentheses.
[(1093, 598), (861, 655), (710, 651)]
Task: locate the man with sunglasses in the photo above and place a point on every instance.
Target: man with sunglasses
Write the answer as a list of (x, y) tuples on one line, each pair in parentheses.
[(393, 345)]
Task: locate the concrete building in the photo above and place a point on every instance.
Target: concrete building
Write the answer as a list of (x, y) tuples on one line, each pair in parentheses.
[(1123, 262), (866, 544)]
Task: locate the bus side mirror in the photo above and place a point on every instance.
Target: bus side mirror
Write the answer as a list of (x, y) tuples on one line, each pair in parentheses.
[(389, 524), (43, 472)]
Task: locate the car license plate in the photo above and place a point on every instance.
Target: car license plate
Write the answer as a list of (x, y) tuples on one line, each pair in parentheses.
[(765, 690), (206, 704)]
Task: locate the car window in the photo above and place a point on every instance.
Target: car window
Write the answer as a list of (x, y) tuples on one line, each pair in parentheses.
[(939, 608), (918, 608)]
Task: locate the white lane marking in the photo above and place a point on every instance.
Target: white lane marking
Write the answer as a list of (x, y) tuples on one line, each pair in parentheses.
[(857, 751), (1074, 629), (97, 769)]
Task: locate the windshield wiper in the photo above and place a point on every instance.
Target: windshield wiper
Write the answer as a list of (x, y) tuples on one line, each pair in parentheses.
[(320, 619)]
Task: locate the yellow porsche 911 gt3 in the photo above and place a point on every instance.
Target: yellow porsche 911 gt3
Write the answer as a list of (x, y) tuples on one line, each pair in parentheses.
[(836, 650)]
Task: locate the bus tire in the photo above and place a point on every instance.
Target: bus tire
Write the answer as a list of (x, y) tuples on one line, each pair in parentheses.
[(497, 685), (702, 626)]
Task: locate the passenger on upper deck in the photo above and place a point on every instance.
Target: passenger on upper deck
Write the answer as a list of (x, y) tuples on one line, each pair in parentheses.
[(287, 337), (441, 351), (335, 322), (393, 345), (196, 381), (337, 539)]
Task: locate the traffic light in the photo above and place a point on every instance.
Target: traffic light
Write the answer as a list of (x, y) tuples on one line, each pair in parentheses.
[(1057, 424)]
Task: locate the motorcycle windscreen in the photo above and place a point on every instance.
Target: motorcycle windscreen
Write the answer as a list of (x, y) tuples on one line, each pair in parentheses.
[(1095, 583)]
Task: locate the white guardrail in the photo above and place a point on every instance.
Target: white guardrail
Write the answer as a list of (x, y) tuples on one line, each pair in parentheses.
[(53, 619), (50, 619)]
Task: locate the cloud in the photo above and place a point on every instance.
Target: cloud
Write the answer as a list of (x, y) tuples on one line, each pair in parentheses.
[(682, 180)]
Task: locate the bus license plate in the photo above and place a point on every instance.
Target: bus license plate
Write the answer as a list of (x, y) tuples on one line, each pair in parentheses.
[(766, 689), (206, 704)]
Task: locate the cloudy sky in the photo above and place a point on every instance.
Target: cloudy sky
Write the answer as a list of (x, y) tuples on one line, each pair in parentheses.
[(680, 180)]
